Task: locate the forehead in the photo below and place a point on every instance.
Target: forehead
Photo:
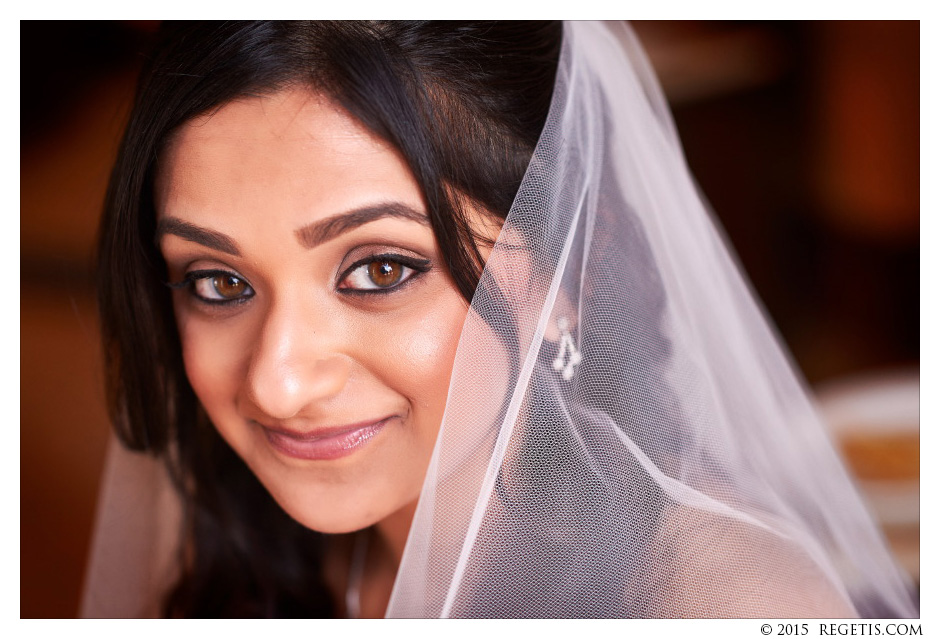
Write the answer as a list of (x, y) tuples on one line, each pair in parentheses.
[(284, 153), (294, 115)]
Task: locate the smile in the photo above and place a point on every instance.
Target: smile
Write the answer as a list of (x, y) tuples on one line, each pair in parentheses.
[(323, 444)]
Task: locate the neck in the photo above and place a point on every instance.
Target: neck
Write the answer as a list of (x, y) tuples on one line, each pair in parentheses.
[(383, 549), (393, 531)]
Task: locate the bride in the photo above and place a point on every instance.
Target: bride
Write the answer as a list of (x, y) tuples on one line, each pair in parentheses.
[(429, 319)]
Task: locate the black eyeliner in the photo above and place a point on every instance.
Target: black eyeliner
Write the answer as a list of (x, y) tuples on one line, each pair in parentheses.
[(419, 265), (194, 276)]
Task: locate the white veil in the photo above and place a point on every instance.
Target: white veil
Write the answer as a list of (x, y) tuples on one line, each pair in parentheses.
[(624, 436)]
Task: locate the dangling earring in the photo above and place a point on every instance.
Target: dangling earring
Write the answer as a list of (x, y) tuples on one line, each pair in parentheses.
[(567, 346)]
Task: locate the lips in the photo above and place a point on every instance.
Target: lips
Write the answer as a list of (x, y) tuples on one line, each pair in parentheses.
[(323, 444)]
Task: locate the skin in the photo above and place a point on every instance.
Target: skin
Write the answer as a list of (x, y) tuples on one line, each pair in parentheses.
[(297, 346)]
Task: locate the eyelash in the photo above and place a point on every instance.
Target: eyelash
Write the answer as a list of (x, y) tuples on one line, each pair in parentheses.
[(193, 278), (416, 267)]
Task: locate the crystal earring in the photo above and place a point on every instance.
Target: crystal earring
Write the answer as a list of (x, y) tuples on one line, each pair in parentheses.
[(566, 346)]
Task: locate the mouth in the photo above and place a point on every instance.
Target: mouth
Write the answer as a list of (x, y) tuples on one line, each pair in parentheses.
[(323, 444)]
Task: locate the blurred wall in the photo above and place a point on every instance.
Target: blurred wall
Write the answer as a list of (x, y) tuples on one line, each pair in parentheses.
[(77, 81), (804, 137)]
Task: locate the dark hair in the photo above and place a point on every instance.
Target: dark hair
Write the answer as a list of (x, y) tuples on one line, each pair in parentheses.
[(464, 103)]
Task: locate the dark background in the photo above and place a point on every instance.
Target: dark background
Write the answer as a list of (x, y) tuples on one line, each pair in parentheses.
[(803, 136)]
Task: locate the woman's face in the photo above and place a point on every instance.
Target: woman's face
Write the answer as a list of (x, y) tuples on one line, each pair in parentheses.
[(318, 323)]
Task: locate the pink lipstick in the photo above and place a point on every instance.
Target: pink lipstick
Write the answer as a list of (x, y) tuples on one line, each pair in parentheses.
[(323, 444)]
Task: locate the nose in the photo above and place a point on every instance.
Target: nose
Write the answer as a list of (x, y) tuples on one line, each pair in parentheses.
[(295, 365)]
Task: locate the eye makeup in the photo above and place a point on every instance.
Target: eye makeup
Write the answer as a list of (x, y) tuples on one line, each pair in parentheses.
[(376, 273), (215, 286), (381, 273)]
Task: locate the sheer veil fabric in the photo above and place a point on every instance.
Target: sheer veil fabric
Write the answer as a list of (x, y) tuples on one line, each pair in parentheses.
[(624, 435)]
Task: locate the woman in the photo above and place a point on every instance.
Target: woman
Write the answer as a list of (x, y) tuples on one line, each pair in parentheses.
[(446, 331)]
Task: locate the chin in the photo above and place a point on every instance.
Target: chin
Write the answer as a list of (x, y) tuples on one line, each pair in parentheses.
[(333, 509), (327, 519), (333, 526)]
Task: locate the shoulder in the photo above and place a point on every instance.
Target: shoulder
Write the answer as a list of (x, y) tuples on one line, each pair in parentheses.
[(718, 565)]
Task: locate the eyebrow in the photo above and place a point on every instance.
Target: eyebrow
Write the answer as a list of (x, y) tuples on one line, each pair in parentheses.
[(309, 236), (197, 234), (316, 233)]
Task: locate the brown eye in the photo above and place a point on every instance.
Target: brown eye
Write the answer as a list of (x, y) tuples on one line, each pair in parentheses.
[(382, 273), (229, 286), (218, 287), (385, 273)]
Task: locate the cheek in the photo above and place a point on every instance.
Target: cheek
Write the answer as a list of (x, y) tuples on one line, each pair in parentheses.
[(430, 350), (424, 355)]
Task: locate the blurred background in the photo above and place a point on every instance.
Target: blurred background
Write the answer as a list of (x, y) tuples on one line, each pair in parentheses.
[(804, 136)]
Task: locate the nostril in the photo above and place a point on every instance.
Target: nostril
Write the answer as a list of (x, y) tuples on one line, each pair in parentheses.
[(283, 391)]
